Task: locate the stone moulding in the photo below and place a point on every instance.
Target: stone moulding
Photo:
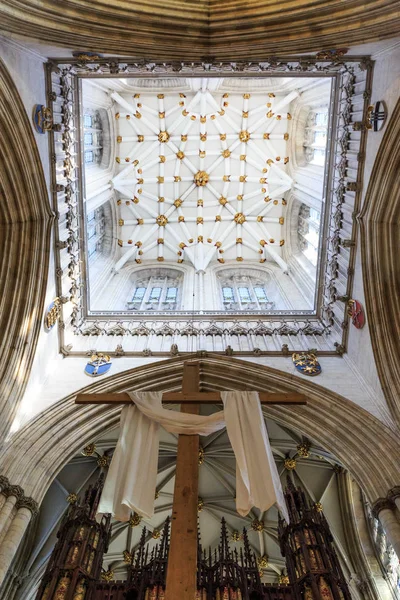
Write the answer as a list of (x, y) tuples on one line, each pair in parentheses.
[(352, 78)]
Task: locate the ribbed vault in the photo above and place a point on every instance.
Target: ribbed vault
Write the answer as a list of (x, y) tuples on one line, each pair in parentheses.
[(380, 222), (25, 224), (37, 452), (192, 30)]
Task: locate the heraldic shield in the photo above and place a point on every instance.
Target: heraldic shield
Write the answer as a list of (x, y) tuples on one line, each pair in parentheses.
[(307, 363), (99, 364)]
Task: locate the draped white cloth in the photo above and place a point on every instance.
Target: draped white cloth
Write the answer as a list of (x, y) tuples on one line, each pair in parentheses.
[(131, 481)]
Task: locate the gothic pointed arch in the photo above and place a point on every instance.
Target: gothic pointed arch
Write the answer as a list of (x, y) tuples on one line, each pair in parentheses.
[(25, 228), (39, 450), (379, 224)]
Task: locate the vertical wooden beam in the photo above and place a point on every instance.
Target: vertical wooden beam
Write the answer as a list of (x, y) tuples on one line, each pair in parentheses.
[(182, 561)]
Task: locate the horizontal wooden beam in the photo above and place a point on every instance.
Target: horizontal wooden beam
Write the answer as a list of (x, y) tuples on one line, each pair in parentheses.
[(192, 398)]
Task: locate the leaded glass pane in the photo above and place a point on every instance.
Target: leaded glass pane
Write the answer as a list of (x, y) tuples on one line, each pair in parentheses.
[(172, 293), (88, 157), (260, 294), (244, 294), (227, 293), (88, 139), (87, 121), (155, 294), (139, 294), (321, 119)]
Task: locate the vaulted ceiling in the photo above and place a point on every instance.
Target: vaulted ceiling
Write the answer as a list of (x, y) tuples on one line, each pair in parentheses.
[(192, 30)]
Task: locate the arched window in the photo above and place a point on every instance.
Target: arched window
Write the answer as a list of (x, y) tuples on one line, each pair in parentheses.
[(315, 136), (245, 291), (92, 137), (308, 232), (96, 227), (156, 289)]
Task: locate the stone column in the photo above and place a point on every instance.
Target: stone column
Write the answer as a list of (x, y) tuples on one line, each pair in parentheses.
[(383, 509), (12, 539), (394, 495)]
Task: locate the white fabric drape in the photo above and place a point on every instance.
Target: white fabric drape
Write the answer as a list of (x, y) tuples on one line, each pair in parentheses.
[(131, 480)]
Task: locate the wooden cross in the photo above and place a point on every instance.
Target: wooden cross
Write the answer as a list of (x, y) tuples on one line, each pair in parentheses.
[(182, 560)]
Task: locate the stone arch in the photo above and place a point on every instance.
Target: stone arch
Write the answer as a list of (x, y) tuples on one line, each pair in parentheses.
[(380, 225), (25, 228), (38, 451)]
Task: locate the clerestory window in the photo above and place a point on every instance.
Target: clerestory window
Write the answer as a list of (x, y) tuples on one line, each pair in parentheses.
[(244, 292), (95, 231), (315, 136), (92, 137), (308, 232), (157, 289)]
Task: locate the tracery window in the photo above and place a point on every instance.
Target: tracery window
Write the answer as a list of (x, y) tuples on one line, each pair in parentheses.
[(315, 138), (242, 291), (92, 137), (308, 232), (156, 289), (96, 223)]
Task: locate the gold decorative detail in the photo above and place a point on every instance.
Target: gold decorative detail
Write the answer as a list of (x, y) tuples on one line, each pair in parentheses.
[(271, 95), (260, 218), (226, 95), (119, 139), (138, 261), (180, 155), (282, 243), (161, 115), (270, 114), (218, 217), (239, 218), (139, 191), (140, 138), (162, 220), (242, 178), (201, 455), (271, 241), (286, 136), (236, 536), (202, 153), (281, 220), (270, 162), (257, 525), (178, 202), (140, 181), (156, 495), (246, 96), (289, 117), (244, 136), (263, 190), (266, 136), (190, 240), (136, 96), (226, 178), (193, 117), (72, 498), (177, 178), (89, 450), (213, 117), (278, 117), (199, 202), (135, 164), (182, 95), (160, 96), (223, 201), (201, 178), (139, 244), (53, 314), (199, 220), (203, 119), (303, 449), (278, 158), (127, 557), (160, 258), (222, 137), (182, 245), (275, 202), (117, 115), (117, 159), (119, 202), (181, 219), (286, 160), (160, 240), (140, 171), (269, 104), (239, 240), (160, 179), (263, 180), (240, 197), (135, 520), (138, 115), (200, 239), (103, 461), (262, 561), (140, 221), (245, 114), (221, 260), (184, 138), (318, 507), (135, 200), (221, 112), (239, 258), (128, 117), (156, 534), (185, 112), (263, 243), (200, 504), (163, 137), (290, 464), (218, 244), (226, 153), (120, 243), (209, 240), (283, 579), (162, 158), (161, 198), (107, 576)]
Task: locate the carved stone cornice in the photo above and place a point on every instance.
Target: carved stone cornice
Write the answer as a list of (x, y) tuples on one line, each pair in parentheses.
[(382, 504), (29, 503), (17, 491)]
